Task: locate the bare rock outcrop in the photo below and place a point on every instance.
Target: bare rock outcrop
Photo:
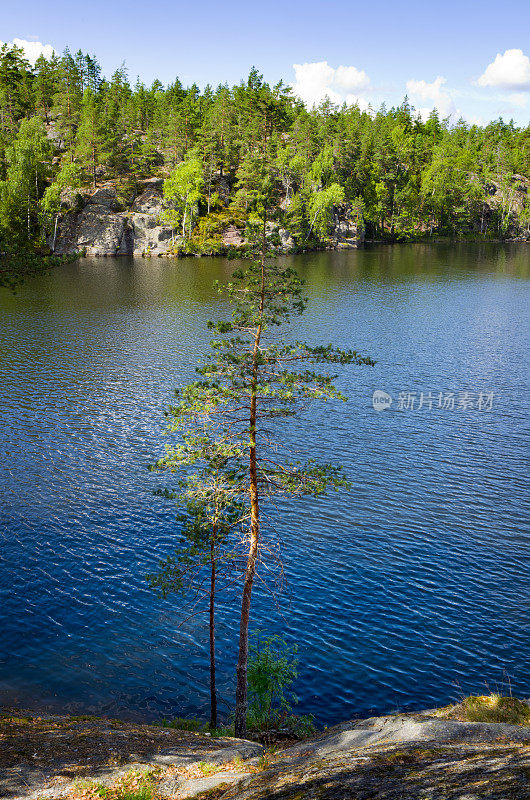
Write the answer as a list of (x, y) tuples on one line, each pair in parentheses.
[(503, 210), (232, 237), (103, 224), (150, 236), (101, 227), (414, 756), (348, 227)]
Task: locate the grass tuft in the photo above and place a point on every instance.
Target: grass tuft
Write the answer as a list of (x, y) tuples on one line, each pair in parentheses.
[(493, 708), (197, 726)]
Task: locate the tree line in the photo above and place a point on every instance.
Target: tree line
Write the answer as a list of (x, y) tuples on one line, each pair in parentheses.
[(63, 124)]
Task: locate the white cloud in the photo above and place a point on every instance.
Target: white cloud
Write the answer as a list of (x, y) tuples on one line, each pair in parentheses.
[(509, 71), (32, 50), (352, 79), (518, 99), (435, 95), (475, 119), (317, 80)]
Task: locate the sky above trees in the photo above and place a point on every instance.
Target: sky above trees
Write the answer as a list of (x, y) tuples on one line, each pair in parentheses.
[(464, 58)]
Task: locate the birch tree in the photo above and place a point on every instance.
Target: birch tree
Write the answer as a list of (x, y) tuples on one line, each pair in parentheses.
[(182, 191)]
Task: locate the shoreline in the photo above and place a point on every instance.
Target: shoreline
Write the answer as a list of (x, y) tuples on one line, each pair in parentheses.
[(85, 757), (236, 254)]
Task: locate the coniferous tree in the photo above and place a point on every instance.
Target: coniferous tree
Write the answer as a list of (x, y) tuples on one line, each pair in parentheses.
[(211, 515), (250, 380), (91, 144)]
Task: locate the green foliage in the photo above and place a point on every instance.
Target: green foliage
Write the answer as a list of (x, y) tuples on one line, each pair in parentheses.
[(91, 142), (69, 176), (320, 208), (185, 724), (226, 377), (208, 513), (28, 161), (182, 192), (272, 669), (15, 86), (207, 235)]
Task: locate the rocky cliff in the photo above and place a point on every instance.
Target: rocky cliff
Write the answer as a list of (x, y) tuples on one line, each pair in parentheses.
[(102, 224)]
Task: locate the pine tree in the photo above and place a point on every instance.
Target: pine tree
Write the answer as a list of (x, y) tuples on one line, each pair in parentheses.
[(91, 144), (253, 378), (67, 101), (211, 515), (46, 79), (15, 87)]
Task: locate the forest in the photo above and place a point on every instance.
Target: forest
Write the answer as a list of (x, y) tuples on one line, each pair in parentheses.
[(64, 126)]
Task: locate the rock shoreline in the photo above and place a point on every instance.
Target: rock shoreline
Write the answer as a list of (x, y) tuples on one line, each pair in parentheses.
[(100, 224), (418, 756)]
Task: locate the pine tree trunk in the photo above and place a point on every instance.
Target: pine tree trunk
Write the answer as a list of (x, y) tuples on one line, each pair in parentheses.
[(213, 695), (242, 662)]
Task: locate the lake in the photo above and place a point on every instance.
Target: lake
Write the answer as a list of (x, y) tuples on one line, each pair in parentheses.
[(408, 591)]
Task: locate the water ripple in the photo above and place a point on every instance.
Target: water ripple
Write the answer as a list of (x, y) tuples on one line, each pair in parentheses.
[(403, 593)]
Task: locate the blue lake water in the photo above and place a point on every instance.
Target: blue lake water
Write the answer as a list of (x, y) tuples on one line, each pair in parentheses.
[(408, 591)]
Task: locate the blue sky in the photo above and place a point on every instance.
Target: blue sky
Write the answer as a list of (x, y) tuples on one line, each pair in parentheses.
[(465, 57)]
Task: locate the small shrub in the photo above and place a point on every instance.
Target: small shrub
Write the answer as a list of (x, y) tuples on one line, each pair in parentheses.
[(272, 669), (222, 730), (207, 768), (197, 726)]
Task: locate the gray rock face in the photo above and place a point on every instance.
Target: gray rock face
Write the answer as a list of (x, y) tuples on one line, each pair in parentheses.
[(34, 784), (92, 229), (286, 239), (150, 237), (402, 757), (71, 199), (191, 788), (96, 228), (101, 228), (105, 198), (348, 230), (149, 202), (398, 729)]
